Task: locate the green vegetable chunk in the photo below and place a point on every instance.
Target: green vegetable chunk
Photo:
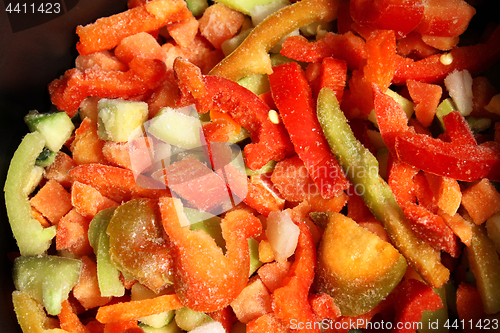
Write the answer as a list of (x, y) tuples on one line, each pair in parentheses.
[(55, 127), (362, 169), (118, 118), (108, 276), (32, 238), (48, 279)]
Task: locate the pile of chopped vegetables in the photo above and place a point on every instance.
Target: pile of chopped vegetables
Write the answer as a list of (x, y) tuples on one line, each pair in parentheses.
[(264, 166)]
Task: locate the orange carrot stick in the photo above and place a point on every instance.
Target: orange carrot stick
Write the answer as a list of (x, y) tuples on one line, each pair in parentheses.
[(133, 310)]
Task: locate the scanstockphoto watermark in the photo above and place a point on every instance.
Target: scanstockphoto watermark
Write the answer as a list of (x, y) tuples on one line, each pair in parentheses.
[(351, 324)]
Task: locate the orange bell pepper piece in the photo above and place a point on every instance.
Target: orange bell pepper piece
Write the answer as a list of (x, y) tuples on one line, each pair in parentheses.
[(206, 279)]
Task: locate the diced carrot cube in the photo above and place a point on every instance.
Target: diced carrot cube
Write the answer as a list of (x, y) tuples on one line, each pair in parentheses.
[(58, 170), (426, 97), (220, 23), (334, 204), (481, 201), (135, 155), (104, 60), (87, 146), (141, 44), (446, 191), (253, 301), (53, 201), (267, 323), (72, 233), (86, 291), (272, 274), (88, 108), (165, 95), (266, 253), (107, 32), (88, 201), (324, 307), (183, 32), (200, 52)]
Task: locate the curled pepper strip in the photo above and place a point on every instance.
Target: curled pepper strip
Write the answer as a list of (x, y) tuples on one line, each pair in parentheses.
[(475, 58), (69, 91), (270, 141), (290, 302), (206, 279), (251, 57)]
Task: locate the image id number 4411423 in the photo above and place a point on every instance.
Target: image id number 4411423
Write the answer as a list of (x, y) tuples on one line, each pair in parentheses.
[(33, 8), (483, 324)]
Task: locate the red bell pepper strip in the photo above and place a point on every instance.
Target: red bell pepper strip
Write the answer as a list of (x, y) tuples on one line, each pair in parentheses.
[(293, 97), (269, 140), (432, 228), (74, 86), (290, 302), (391, 118), (400, 16), (380, 64), (413, 297), (476, 59), (461, 162), (334, 76), (426, 98), (348, 47), (206, 279), (458, 130)]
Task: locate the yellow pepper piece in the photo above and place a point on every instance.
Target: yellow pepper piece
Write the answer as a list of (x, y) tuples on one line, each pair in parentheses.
[(252, 57)]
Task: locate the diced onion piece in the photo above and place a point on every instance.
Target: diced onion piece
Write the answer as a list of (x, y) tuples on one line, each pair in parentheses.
[(282, 234), (212, 327), (459, 86)]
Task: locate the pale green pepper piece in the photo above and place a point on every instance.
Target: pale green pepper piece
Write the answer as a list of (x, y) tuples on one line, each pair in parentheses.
[(32, 238), (48, 279)]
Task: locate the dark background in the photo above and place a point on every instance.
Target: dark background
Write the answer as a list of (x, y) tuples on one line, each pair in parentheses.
[(34, 50)]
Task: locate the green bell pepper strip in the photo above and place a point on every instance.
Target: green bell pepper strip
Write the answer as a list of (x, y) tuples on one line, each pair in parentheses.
[(32, 238), (362, 169)]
